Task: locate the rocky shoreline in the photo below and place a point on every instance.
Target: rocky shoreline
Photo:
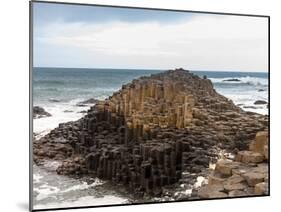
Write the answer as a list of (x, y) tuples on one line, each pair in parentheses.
[(39, 112), (156, 132), (247, 175)]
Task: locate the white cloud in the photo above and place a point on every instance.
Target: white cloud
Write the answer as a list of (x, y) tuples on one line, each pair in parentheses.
[(207, 42)]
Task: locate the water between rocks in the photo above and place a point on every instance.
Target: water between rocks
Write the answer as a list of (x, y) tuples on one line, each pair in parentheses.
[(51, 190)]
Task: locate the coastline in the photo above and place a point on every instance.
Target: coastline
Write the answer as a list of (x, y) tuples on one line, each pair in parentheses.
[(77, 116), (57, 105)]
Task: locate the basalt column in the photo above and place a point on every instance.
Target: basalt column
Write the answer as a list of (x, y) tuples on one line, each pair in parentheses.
[(150, 131)]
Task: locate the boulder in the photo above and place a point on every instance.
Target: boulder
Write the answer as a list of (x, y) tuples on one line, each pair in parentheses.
[(240, 170), (253, 178), (225, 167), (87, 102), (212, 180), (212, 191), (237, 193), (260, 144), (249, 157), (82, 111), (234, 179), (261, 188), (54, 100), (39, 112), (231, 80), (249, 107), (260, 141), (260, 168), (260, 102), (234, 186), (235, 182), (265, 152)]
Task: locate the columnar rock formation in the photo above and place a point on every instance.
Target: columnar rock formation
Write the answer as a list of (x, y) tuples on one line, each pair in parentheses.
[(149, 132), (247, 175)]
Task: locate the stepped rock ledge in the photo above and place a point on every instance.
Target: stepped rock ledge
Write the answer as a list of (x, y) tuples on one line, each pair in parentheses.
[(150, 132)]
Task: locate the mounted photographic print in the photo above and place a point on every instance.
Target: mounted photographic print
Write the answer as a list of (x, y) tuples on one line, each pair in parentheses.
[(139, 105)]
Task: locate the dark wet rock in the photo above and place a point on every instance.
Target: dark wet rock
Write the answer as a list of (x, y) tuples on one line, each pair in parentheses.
[(251, 113), (150, 132), (83, 111), (260, 102), (231, 80), (68, 111), (87, 102), (39, 112), (250, 107), (73, 166), (54, 100)]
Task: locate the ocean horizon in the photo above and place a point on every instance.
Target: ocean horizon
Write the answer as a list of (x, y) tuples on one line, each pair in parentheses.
[(58, 90), (156, 69)]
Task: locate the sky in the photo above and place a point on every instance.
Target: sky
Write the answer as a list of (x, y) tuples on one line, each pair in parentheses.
[(78, 36)]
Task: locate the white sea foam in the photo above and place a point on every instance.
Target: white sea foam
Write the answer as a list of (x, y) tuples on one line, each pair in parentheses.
[(84, 201), (246, 97), (247, 80), (212, 166), (45, 191), (186, 190), (61, 113), (84, 185), (244, 91), (37, 178), (51, 165), (55, 190), (246, 101), (52, 190), (199, 181)]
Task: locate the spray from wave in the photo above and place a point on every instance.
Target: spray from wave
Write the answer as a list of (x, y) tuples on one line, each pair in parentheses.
[(256, 81)]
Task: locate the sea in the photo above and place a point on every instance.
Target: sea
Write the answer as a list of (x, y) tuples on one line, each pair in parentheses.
[(59, 90)]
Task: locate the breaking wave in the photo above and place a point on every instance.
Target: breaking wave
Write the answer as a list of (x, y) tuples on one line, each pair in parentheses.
[(256, 81)]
